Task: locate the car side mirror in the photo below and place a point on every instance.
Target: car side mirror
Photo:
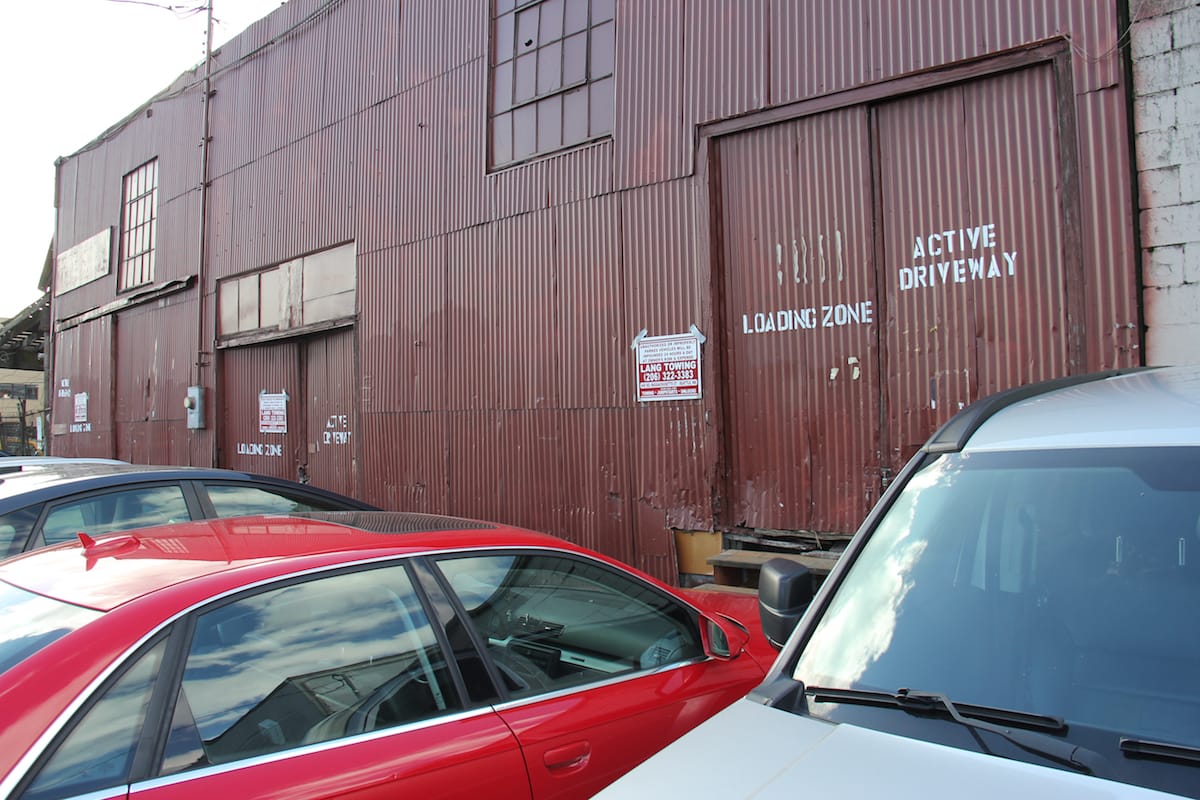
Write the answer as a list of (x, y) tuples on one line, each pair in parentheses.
[(722, 638), (785, 589)]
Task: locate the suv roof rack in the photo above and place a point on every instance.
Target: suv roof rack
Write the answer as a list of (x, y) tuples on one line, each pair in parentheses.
[(954, 434)]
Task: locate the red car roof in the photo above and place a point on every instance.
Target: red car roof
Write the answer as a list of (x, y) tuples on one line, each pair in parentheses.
[(120, 567)]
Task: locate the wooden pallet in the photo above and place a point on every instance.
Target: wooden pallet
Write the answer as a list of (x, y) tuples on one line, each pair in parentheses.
[(740, 568)]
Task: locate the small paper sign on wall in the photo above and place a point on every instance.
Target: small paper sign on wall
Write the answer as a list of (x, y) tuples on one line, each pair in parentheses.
[(272, 412), (668, 368)]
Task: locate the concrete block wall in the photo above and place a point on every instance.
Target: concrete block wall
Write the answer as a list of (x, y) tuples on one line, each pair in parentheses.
[(1165, 48)]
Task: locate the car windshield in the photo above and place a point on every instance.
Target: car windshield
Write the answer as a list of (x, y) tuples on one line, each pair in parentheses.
[(31, 622), (1063, 583)]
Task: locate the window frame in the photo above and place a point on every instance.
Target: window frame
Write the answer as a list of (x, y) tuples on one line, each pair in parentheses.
[(548, 107), (38, 538), (169, 636), (138, 242), (146, 764), (693, 616)]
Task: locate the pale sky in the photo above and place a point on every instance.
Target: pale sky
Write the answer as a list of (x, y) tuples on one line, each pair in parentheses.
[(73, 68)]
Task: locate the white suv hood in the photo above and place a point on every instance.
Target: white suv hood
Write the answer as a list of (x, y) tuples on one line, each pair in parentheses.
[(750, 750)]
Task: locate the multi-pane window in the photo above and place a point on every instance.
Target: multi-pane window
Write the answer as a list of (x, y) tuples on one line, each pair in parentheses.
[(139, 219), (552, 75)]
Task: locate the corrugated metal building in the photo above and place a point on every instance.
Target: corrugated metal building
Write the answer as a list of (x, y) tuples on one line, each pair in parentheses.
[(428, 249)]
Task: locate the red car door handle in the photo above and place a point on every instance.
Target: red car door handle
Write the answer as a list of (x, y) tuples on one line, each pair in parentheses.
[(568, 757)]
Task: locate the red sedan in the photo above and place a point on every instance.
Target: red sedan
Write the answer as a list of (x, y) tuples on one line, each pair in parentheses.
[(364, 655)]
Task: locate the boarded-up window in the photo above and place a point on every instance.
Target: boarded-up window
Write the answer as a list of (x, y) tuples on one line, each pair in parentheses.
[(552, 75), (139, 221), (314, 290)]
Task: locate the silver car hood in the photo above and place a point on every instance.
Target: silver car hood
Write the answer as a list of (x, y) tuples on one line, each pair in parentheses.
[(754, 751)]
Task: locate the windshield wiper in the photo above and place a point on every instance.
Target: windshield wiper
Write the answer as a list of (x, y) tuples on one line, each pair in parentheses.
[(1143, 748), (973, 716)]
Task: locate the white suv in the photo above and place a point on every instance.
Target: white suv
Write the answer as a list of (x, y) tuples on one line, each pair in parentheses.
[(1018, 617)]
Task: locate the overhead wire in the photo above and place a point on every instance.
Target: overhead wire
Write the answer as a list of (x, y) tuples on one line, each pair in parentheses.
[(170, 94)]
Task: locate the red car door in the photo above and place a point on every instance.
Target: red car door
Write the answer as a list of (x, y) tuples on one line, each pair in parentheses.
[(334, 686), (577, 743), (466, 758), (601, 668)]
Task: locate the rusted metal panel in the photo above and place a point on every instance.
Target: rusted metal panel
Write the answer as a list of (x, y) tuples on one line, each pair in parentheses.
[(805, 60), (563, 178), (672, 469), (153, 371), (378, 192), (725, 58), (440, 36), (332, 438), (403, 329), (248, 373), (471, 322), (801, 380), (157, 442), (424, 191), (830, 46), (270, 86), (592, 365), (648, 147), (1109, 250), (594, 481), (465, 159), (977, 274), (405, 461), (666, 280), (478, 472), (525, 309), (81, 414), (360, 59)]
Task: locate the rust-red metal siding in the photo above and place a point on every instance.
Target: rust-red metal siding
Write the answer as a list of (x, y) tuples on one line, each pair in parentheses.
[(83, 365), (490, 370), (247, 373), (153, 370), (957, 336), (802, 392)]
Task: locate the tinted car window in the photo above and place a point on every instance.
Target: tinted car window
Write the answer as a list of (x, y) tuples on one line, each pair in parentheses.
[(99, 749), (310, 662), (551, 622), (31, 622), (115, 511), (231, 500), (15, 528), (1064, 583)]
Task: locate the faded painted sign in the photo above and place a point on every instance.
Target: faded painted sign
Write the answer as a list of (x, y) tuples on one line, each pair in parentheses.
[(668, 368), (260, 449), (833, 315), (83, 263), (272, 412), (958, 255), (337, 429)]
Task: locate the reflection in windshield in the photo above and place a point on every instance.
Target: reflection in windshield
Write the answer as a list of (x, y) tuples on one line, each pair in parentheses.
[(859, 625), (1060, 583), (313, 661), (31, 622)]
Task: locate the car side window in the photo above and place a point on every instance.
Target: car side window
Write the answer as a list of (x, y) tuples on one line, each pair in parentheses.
[(115, 511), (98, 751), (552, 622), (15, 527), (231, 500), (331, 657)]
